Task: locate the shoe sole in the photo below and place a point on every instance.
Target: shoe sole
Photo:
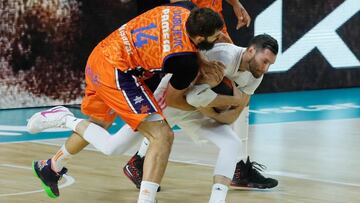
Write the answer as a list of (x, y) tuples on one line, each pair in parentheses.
[(44, 186), (30, 124), (253, 186)]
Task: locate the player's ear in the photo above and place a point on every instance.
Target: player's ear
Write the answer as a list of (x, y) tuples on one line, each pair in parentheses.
[(198, 39), (251, 50)]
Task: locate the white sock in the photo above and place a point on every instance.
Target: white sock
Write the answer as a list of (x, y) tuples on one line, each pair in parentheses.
[(143, 148), (60, 159), (98, 137), (241, 127), (71, 122), (123, 140), (148, 192), (218, 193)]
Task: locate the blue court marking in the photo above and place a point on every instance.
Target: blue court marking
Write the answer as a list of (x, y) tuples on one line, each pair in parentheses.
[(265, 108), (305, 106), (14, 121)]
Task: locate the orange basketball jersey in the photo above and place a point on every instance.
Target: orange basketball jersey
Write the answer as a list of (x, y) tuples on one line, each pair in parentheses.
[(215, 5), (147, 40)]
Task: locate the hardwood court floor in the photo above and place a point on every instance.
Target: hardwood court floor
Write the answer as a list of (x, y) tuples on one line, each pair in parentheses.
[(314, 161)]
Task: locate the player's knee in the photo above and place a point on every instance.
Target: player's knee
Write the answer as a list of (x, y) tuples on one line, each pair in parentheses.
[(164, 135)]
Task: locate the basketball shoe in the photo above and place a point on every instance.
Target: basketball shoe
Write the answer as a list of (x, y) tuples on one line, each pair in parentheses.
[(248, 175), (50, 118), (134, 170), (49, 178)]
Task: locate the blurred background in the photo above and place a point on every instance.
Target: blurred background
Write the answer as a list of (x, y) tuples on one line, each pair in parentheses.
[(45, 44)]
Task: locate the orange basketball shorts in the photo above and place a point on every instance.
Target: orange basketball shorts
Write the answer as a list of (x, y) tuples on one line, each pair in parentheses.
[(110, 92)]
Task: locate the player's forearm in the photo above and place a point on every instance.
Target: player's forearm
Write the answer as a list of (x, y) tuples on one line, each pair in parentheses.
[(229, 116), (179, 103), (176, 98), (233, 2), (224, 100), (226, 117)]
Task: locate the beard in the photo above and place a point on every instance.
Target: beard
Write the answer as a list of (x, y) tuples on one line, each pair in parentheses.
[(205, 45), (253, 69)]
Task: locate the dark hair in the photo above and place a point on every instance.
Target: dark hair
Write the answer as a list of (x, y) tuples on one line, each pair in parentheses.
[(265, 41), (203, 22)]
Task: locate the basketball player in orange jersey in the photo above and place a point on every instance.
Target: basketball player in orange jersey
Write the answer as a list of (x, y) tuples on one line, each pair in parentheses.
[(164, 39)]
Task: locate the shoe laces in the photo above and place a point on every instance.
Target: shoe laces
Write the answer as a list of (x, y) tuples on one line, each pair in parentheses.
[(256, 168), (138, 162), (61, 173)]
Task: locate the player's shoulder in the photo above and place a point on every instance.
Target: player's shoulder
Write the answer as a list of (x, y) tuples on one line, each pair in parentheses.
[(228, 54), (224, 45), (225, 49)]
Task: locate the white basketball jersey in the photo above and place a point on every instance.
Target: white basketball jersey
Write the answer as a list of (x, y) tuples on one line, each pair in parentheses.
[(230, 55)]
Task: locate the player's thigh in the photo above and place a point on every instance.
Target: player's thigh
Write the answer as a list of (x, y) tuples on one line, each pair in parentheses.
[(96, 108), (93, 105), (131, 100)]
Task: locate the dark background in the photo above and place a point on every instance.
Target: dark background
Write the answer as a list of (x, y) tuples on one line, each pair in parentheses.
[(46, 52), (313, 71)]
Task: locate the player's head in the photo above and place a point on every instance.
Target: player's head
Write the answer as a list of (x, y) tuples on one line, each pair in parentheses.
[(262, 52), (204, 27)]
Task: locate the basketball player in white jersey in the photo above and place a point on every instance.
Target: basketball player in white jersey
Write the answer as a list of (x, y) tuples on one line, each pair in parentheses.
[(244, 66)]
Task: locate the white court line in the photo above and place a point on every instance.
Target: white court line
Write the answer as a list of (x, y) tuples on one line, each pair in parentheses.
[(9, 133), (68, 181), (276, 173), (305, 177), (23, 128)]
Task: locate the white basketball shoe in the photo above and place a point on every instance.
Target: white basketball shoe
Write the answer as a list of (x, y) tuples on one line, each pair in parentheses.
[(51, 118)]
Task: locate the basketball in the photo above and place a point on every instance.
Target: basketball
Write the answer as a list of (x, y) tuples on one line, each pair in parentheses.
[(224, 88)]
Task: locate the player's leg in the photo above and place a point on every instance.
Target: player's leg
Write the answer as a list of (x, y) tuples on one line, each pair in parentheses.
[(161, 138), (134, 167), (136, 105), (241, 128), (229, 145), (50, 171), (247, 173)]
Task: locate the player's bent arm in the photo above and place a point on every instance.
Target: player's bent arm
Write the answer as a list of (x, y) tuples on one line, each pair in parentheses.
[(231, 115), (184, 68), (226, 117), (203, 96), (240, 13), (225, 100), (176, 98)]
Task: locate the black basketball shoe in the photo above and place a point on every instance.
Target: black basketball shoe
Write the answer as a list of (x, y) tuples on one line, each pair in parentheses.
[(49, 178), (248, 175)]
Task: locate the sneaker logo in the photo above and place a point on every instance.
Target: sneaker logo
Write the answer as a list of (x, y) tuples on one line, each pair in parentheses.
[(43, 113), (128, 170), (219, 189), (42, 164), (145, 192)]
